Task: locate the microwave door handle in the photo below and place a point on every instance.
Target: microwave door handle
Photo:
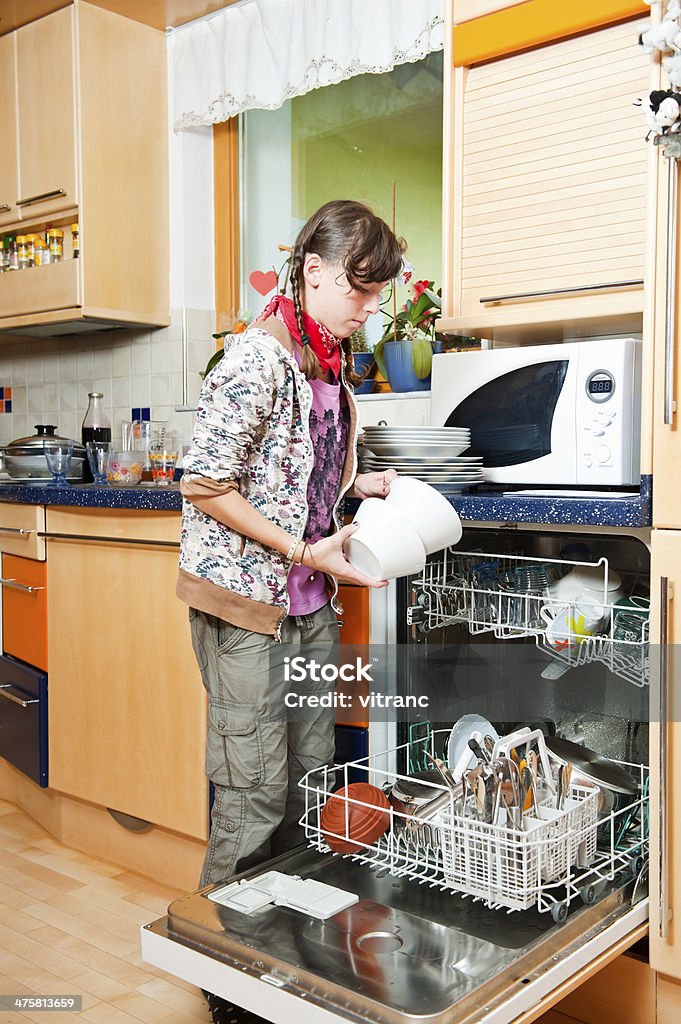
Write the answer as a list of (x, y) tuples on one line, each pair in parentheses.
[(670, 296)]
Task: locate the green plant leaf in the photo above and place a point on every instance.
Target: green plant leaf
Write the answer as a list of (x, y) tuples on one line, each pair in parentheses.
[(422, 355), (213, 361), (379, 358), (434, 298)]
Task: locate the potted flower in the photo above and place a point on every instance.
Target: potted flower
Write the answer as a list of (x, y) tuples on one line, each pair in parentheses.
[(363, 359), (404, 355)]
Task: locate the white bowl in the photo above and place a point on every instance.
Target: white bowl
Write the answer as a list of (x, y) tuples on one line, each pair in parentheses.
[(437, 523), (386, 545), (587, 580)]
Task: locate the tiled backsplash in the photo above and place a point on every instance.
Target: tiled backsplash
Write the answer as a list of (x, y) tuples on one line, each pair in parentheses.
[(50, 379)]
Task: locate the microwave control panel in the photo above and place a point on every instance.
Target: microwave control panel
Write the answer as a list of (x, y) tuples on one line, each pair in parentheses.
[(608, 418)]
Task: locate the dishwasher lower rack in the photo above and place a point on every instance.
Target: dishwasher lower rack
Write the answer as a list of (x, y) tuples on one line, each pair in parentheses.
[(510, 597), (557, 858)]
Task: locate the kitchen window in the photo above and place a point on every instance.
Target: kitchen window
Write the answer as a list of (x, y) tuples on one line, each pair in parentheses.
[(349, 140)]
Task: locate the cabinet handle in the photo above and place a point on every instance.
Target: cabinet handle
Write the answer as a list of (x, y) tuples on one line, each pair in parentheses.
[(42, 197), (563, 291), (670, 294), (19, 586), (15, 529), (665, 597), (4, 687), (5, 207), (110, 540)]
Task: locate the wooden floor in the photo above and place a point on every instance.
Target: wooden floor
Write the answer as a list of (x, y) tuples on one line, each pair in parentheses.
[(69, 925)]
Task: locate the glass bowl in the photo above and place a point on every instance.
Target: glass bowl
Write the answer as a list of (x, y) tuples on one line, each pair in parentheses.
[(125, 468)]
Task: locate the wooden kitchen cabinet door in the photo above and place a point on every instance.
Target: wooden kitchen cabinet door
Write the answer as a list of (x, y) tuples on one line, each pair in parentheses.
[(545, 188), (667, 366), (126, 704), (665, 770), (668, 1001), (9, 178), (46, 87)]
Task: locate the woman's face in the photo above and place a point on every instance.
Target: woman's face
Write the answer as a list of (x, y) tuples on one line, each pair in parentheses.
[(331, 300)]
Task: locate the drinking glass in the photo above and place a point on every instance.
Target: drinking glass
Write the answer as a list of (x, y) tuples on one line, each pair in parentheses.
[(163, 454), (99, 457), (58, 457)]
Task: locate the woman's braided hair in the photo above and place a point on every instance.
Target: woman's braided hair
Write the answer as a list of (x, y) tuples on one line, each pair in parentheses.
[(351, 236)]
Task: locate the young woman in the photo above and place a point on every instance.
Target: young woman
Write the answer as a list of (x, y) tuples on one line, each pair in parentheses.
[(273, 454)]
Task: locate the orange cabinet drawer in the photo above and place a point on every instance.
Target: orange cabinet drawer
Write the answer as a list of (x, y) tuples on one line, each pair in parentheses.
[(24, 609)]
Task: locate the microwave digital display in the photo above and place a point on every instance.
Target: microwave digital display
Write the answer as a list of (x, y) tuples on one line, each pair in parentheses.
[(600, 387)]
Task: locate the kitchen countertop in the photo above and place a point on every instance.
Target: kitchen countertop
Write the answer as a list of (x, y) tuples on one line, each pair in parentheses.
[(481, 506), (91, 496)]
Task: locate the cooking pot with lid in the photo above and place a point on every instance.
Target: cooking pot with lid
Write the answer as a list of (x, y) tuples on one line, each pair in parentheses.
[(24, 459)]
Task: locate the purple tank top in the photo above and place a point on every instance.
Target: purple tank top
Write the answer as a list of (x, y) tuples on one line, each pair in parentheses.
[(329, 429)]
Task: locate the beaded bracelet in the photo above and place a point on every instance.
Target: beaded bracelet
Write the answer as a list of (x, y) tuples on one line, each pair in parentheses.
[(290, 555)]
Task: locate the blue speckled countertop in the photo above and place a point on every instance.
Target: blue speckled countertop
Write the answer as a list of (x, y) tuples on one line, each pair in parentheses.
[(632, 512), (89, 496)]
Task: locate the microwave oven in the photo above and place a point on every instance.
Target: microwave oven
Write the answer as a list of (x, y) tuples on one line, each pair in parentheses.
[(557, 415)]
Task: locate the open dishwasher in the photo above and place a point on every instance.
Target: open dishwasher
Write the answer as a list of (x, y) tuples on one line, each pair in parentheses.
[(475, 920)]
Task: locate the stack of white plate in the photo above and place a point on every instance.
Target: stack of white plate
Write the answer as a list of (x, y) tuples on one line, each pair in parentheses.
[(431, 454)]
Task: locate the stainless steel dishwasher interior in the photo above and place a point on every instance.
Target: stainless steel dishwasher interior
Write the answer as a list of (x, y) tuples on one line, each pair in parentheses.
[(405, 952)]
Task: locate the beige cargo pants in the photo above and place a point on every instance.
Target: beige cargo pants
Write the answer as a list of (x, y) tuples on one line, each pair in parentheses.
[(255, 755)]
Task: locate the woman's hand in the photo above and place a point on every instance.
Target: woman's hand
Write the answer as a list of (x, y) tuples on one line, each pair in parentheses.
[(373, 485), (327, 555)]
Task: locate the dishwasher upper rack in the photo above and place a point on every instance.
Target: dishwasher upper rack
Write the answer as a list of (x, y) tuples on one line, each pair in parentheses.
[(506, 595), (575, 859)]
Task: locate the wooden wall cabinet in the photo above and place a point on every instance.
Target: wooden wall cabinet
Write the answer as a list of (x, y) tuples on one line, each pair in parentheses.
[(545, 193), (90, 115), (126, 704), (46, 115), (9, 165), (667, 331)]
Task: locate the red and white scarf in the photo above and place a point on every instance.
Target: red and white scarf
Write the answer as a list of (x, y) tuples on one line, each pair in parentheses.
[(325, 345)]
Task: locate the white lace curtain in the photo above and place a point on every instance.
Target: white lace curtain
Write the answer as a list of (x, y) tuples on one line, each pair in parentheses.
[(260, 53)]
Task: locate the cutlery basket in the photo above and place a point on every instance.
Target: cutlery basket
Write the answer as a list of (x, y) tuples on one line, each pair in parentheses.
[(506, 866)]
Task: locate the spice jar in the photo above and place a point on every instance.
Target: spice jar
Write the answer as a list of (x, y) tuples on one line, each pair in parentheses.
[(30, 249), (22, 252), (75, 234), (39, 252), (55, 242), (4, 257)]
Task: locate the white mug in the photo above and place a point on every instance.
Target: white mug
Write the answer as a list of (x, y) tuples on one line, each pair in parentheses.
[(568, 625)]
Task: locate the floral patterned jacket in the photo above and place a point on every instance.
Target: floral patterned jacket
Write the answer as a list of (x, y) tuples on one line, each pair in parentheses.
[(251, 433)]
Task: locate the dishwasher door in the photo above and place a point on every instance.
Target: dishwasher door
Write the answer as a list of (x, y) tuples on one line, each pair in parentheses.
[(405, 952)]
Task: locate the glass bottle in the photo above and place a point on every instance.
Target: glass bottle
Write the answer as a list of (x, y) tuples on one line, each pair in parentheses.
[(30, 249), (75, 236), (4, 256), (96, 426), (38, 251), (13, 253)]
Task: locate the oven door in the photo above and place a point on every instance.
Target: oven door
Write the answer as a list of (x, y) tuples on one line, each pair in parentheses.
[(23, 718)]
